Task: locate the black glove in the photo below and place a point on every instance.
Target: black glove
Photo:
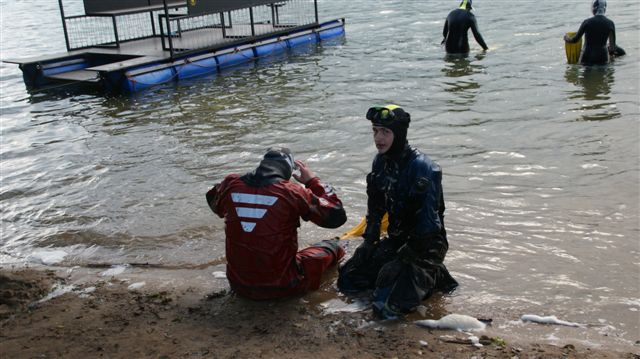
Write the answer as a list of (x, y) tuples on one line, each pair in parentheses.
[(371, 237), (372, 231)]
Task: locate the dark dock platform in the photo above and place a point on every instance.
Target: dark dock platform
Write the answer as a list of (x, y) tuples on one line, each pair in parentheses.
[(151, 42)]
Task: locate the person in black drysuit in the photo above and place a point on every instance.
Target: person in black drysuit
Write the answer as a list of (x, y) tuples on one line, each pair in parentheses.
[(456, 27), (406, 266), (597, 30)]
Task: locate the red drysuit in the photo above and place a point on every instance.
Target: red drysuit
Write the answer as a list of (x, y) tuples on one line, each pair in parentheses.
[(261, 225)]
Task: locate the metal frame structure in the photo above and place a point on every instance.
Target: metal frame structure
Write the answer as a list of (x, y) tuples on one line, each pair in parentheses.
[(127, 46), (182, 26)]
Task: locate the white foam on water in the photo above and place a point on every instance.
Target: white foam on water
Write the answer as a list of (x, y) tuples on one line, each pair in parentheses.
[(592, 165), (552, 338), (84, 293), (475, 341), (552, 319), (507, 154), (138, 285), (114, 270), (337, 306), (458, 322), (47, 256), (57, 291), (219, 275)]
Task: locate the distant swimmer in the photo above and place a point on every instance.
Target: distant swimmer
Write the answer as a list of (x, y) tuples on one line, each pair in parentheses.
[(597, 30), (456, 27)]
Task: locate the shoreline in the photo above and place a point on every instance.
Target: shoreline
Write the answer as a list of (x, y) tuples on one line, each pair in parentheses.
[(109, 317)]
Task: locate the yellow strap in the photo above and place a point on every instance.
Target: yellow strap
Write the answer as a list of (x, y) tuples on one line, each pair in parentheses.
[(358, 230)]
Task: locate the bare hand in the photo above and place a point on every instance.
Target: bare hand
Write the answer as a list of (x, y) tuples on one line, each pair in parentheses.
[(305, 173)]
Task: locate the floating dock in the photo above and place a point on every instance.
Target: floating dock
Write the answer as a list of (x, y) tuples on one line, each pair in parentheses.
[(128, 46)]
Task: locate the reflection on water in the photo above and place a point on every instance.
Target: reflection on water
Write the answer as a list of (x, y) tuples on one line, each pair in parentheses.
[(594, 86), (460, 82), (594, 81), (63, 92), (459, 65)]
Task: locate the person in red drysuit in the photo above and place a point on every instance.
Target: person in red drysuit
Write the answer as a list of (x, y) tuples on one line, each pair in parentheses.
[(262, 211)]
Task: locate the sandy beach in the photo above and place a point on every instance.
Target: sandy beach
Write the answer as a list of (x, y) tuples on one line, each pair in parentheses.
[(112, 318)]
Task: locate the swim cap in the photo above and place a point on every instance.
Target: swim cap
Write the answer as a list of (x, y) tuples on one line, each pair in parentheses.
[(598, 7), (281, 154), (277, 165), (465, 5), (394, 118)]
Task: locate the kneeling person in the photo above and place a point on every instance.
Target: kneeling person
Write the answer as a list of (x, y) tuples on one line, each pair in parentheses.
[(262, 211), (407, 266)]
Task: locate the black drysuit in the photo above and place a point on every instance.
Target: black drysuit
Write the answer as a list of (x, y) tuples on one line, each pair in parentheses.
[(455, 32), (596, 30), (407, 266)]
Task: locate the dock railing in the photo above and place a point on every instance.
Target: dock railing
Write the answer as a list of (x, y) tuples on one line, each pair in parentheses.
[(107, 23), (179, 31), (191, 33)]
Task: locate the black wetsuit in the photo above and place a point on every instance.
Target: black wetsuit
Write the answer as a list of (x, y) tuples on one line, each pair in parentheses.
[(455, 32), (596, 31), (407, 266)]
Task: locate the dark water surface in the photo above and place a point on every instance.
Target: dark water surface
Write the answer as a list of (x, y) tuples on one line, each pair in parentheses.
[(540, 158)]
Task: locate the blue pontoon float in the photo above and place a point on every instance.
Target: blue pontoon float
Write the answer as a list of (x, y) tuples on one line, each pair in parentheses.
[(129, 45)]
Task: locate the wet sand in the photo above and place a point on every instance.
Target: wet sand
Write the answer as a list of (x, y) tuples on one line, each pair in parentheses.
[(104, 317)]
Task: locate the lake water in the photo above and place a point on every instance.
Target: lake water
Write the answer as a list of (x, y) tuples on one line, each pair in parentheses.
[(541, 159)]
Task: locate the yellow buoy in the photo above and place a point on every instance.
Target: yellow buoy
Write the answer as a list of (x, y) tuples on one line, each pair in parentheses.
[(573, 49)]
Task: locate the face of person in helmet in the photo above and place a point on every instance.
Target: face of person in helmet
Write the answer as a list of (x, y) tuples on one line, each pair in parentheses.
[(383, 138)]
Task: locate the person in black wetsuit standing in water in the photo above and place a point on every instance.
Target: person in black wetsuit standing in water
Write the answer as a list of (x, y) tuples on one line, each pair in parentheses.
[(456, 27), (597, 30)]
